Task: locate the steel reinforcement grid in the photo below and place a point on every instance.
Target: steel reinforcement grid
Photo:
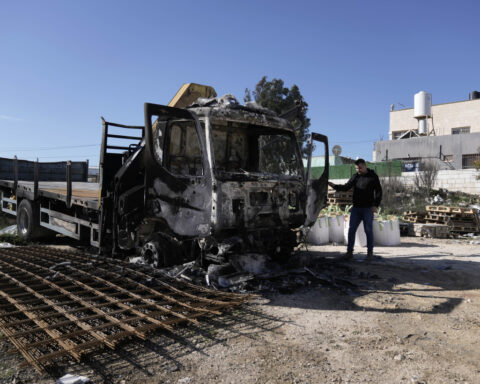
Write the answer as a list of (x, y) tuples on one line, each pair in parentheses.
[(56, 304)]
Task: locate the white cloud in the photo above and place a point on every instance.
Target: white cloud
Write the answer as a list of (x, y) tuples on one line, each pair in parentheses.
[(11, 118)]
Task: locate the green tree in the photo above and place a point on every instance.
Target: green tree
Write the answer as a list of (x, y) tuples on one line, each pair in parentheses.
[(476, 164), (275, 96)]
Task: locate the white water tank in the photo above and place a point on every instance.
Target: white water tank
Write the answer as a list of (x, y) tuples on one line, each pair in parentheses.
[(422, 105)]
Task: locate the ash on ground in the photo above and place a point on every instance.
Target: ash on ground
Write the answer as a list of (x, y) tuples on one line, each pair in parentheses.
[(257, 273)]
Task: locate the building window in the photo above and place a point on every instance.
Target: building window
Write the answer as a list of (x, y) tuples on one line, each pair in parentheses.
[(448, 158), (460, 130), (468, 161), (396, 135)]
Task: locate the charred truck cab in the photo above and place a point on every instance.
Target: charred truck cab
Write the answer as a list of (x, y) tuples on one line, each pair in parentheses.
[(222, 178)]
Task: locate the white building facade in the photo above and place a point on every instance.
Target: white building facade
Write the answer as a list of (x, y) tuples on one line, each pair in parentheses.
[(452, 139), (450, 118)]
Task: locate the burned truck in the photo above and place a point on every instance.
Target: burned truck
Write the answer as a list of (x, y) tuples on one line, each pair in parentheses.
[(206, 181)]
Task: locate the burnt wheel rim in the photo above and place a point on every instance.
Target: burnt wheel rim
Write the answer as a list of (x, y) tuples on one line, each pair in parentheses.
[(151, 255), (23, 222)]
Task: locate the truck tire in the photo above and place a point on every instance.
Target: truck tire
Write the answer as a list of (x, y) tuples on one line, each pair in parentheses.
[(28, 221), (153, 254)]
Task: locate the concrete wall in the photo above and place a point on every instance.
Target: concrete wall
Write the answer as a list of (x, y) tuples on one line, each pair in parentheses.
[(445, 117), (463, 180), (455, 145)]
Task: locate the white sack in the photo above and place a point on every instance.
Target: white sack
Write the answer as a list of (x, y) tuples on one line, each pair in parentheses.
[(335, 229), (318, 233), (386, 232), (360, 236)]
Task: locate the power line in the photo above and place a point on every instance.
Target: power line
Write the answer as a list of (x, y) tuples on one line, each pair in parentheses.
[(48, 148), (65, 157), (355, 142)]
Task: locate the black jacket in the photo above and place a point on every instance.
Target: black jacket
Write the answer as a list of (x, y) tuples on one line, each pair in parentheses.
[(367, 191)]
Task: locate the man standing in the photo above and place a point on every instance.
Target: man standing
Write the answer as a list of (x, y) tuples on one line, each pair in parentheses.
[(367, 195)]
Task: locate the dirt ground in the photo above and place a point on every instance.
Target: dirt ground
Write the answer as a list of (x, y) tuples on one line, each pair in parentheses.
[(413, 317)]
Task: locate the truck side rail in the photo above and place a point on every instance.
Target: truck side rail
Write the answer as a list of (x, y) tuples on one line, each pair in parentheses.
[(16, 169), (110, 158)]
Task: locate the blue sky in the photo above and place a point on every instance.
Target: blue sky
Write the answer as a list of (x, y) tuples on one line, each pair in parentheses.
[(63, 64)]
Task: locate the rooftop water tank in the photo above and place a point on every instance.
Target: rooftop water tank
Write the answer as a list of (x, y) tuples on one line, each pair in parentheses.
[(474, 95), (422, 105)]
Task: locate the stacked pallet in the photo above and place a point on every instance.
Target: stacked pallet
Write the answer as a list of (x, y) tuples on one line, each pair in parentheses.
[(414, 216), (459, 220), (341, 199)]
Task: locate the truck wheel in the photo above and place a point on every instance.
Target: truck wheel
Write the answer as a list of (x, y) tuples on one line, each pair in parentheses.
[(152, 254), (28, 221)]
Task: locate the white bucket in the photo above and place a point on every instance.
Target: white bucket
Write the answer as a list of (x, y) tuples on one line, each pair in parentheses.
[(360, 236), (386, 232), (318, 233), (335, 229)]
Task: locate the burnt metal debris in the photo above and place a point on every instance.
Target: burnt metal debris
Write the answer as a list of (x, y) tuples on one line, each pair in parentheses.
[(56, 304)]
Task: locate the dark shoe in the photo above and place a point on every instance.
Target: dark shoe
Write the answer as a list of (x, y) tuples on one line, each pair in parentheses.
[(370, 255), (347, 256)]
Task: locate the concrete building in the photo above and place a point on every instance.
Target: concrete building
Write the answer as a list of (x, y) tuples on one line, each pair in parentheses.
[(453, 135)]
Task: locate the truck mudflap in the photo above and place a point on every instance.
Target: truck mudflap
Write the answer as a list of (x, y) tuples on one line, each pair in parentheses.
[(178, 171), (316, 188)]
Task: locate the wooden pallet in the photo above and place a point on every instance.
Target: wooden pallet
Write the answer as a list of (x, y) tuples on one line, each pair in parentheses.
[(445, 209), (415, 213), (443, 219), (414, 217), (437, 214), (341, 206), (458, 219), (464, 229), (464, 223), (338, 201), (454, 215), (340, 195)]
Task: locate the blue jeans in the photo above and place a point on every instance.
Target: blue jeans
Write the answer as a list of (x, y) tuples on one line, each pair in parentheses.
[(356, 217)]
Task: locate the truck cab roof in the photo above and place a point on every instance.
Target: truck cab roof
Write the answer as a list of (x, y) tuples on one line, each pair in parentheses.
[(227, 108)]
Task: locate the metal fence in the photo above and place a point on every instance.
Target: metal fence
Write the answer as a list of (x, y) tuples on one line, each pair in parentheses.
[(345, 171), (55, 171)]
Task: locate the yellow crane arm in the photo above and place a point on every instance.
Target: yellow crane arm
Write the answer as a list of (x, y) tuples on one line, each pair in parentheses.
[(190, 92)]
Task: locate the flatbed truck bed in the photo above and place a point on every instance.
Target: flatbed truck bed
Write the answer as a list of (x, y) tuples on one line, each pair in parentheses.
[(57, 196), (83, 193), (63, 206)]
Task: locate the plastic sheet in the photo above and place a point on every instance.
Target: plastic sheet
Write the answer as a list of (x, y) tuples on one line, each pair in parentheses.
[(10, 230)]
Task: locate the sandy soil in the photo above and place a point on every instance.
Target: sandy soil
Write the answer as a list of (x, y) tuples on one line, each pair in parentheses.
[(412, 317)]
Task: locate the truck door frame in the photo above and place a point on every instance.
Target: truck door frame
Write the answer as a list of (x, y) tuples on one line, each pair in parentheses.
[(179, 190), (316, 189)]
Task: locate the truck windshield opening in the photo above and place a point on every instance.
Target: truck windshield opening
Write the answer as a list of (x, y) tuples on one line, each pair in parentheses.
[(254, 149)]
